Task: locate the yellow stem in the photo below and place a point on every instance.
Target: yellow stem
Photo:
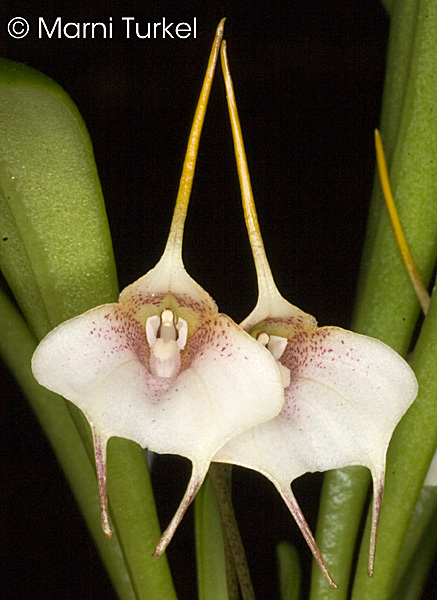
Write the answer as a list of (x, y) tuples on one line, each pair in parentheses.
[(412, 271), (266, 284), (174, 242)]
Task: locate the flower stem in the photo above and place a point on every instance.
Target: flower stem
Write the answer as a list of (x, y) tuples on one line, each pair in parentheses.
[(289, 571), (221, 478), (210, 553)]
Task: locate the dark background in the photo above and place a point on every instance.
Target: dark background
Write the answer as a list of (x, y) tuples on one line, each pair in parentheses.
[(308, 77)]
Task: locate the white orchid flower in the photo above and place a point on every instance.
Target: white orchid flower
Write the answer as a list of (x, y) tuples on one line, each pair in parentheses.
[(344, 392), (161, 366)]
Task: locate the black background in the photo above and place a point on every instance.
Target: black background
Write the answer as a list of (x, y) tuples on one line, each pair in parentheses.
[(308, 78)]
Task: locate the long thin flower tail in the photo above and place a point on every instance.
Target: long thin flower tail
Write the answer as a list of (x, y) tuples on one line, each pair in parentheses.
[(196, 480), (174, 242), (266, 284)]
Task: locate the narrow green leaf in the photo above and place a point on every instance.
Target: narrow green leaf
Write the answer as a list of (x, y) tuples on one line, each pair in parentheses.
[(410, 453), (343, 496), (411, 587), (134, 516), (387, 307), (56, 254), (289, 571), (414, 179), (423, 526), (401, 41), (17, 344), (210, 554)]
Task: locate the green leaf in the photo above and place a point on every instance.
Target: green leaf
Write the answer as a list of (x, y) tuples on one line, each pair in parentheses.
[(56, 254), (411, 586), (410, 453), (289, 571), (210, 554), (55, 245), (343, 495), (420, 543), (387, 307), (388, 5), (17, 344)]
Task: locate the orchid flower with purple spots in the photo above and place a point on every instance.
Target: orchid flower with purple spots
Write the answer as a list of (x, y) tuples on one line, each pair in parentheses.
[(162, 367), (344, 393)]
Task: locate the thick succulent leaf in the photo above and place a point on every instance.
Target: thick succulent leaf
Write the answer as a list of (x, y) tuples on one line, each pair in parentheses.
[(49, 196)]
